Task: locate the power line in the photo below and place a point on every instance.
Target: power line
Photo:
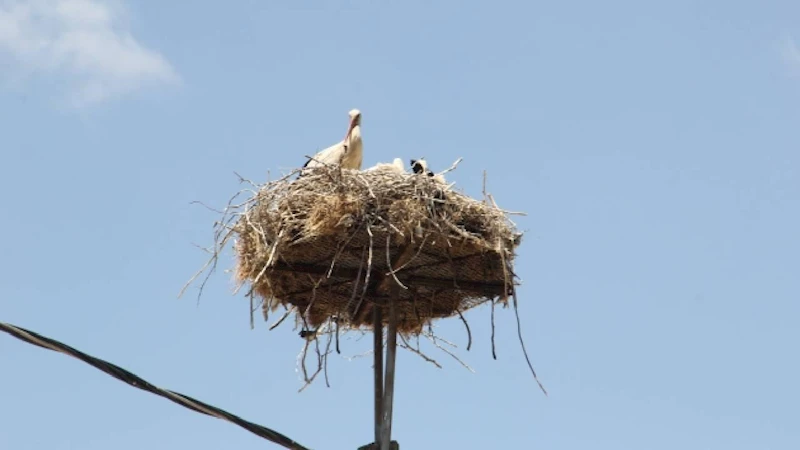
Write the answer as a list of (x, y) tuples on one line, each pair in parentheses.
[(137, 382)]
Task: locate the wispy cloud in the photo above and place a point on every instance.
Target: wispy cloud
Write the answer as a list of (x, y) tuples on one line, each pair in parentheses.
[(790, 53), (85, 42)]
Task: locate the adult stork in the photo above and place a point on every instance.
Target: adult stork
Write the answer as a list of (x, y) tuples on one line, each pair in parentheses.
[(348, 153)]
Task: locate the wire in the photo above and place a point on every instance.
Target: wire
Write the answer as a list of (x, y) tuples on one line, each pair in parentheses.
[(133, 380)]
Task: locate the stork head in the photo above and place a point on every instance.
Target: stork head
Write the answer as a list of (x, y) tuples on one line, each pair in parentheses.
[(419, 166), (355, 121)]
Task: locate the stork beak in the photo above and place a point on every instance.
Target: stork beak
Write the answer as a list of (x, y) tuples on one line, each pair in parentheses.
[(353, 122)]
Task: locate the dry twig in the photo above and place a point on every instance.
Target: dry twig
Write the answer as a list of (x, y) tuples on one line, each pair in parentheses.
[(417, 351), (298, 243), (522, 342), (435, 342), (469, 333)]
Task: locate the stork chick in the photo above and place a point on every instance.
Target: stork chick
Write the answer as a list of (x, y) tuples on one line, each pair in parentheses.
[(348, 153), (396, 165), (420, 166)]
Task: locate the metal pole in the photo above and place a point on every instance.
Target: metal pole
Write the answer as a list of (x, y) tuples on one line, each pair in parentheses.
[(391, 353), (377, 332)]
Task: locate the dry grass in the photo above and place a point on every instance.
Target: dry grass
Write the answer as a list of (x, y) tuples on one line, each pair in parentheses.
[(329, 243), (326, 247)]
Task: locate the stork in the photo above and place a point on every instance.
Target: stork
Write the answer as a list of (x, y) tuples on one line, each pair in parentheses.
[(348, 153), (396, 166), (420, 167)]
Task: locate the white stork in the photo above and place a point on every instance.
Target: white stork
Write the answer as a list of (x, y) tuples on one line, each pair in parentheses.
[(396, 165), (420, 166), (347, 153)]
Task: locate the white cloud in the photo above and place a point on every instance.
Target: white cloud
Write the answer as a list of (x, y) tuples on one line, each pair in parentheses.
[(791, 55), (85, 41)]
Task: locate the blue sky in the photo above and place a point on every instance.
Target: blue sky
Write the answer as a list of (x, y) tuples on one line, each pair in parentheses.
[(655, 149)]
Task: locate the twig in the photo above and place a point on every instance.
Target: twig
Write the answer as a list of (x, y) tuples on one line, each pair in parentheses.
[(390, 225), (513, 213), (313, 296), (268, 305), (494, 353), (341, 249), (366, 183), (285, 315), (466, 325), (197, 202), (327, 352), (451, 168), (221, 237), (197, 274), (408, 347), (484, 186), (502, 252), (369, 270), (337, 338), (207, 250), (360, 355), (431, 335), (271, 257), (451, 354), (389, 262), (522, 342), (419, 250), (252, 320), (303, 364), (320, 357), (355, 284), (219, 244), (245, 180)]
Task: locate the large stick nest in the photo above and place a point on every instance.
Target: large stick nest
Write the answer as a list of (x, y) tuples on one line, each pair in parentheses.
[(330, 243)]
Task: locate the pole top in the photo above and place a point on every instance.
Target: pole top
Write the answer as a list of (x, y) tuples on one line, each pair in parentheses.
[(372, 446)]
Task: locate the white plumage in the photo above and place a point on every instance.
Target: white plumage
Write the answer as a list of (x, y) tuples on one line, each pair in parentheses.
[(348, 153), (396, 165)]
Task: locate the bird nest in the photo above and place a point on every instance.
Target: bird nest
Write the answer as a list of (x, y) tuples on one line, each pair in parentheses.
[(332, 243)]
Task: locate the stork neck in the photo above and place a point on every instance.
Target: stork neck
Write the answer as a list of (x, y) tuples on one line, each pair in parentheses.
[(354, 135)]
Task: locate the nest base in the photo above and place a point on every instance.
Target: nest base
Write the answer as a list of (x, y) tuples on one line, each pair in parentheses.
[(330, 243)]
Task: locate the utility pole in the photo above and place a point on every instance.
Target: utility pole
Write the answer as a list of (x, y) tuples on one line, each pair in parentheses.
[(384, 382), (377, 317)]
